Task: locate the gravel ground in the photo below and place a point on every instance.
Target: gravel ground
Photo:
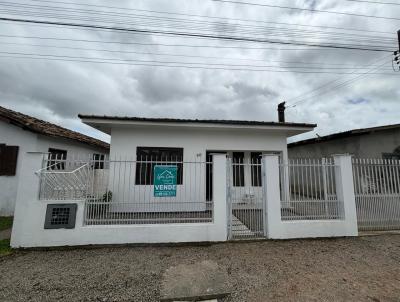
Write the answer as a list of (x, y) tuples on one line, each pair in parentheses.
[(357, 269)]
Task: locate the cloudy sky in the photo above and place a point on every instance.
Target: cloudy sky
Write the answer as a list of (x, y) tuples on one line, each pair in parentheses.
[(55, 72)]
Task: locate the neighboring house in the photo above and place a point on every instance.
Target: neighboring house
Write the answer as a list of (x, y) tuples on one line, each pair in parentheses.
[(376, 142), (183, 141), (20, 133)]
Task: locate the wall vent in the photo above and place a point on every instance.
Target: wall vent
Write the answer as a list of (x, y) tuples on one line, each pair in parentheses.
[(60, 216)]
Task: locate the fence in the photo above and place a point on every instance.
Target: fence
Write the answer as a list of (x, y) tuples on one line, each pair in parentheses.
[(377, 192), (62, 179), (308, 190), (123, 192), (245, 198)]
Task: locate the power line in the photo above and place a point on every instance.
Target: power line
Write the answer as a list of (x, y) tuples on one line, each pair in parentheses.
[(374, 2), (360, 76), (154, 63), (210, 17), (286, 32), (328, 83), (195, 35), (176, 62), (157, 44), (348, 66), (307, 9)]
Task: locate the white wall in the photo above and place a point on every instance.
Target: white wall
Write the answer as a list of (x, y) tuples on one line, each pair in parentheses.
[(28, 230), (26, 141), (72, 147), (31, 142), (195, 143), (276, 228)]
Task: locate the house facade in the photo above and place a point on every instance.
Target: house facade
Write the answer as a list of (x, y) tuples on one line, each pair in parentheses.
[(20, 133), (377, 142), (174, 180), (184, 142)]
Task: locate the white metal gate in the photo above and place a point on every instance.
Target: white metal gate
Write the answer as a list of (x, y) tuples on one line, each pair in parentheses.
[(377, 192), (246, 206)]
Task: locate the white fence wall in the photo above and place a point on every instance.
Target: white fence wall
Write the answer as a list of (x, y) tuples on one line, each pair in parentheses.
[(278, 228), (28, 229)]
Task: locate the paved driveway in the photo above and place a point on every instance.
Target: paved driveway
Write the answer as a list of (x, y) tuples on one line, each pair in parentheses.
[(358, 269)]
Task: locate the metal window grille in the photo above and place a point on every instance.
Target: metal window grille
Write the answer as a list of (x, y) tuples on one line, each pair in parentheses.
[(64, 179), (377, 192), (308, 190), (60, 216)]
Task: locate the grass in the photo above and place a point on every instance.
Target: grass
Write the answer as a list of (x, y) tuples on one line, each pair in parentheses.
[(5, 247), (5, 222)]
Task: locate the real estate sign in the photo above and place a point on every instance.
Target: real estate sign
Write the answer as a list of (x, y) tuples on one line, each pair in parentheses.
[(165, 181)]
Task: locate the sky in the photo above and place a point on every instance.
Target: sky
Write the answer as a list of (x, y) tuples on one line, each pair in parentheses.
[(44, 69)]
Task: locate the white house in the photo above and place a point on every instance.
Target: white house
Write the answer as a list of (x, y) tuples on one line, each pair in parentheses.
[(183, 142), (20, 133), (225, 180)]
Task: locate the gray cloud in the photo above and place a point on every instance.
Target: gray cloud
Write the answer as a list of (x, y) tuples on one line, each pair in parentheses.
[(58, 90)]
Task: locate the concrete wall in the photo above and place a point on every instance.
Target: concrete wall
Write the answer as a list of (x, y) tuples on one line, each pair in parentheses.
[(363, 146), (31, 142)]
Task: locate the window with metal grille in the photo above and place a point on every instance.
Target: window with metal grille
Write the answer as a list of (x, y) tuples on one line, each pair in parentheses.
[(56, 159), (98, 160), (238, 169), (256, 169), (60, 216), (8, 160), (148, 157)]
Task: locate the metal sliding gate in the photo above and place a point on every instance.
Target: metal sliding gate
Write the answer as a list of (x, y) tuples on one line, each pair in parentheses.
[(246, 206)]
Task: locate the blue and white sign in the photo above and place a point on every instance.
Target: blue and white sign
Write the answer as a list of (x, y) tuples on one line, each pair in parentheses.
[(165, 181)]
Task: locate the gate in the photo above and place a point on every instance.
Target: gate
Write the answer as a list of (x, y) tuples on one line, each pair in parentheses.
[(377, 193), (246, 205)]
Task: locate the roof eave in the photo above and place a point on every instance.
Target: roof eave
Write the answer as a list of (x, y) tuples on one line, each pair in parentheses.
[(106, 124)]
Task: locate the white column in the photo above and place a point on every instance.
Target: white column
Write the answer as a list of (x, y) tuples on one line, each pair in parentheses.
[(272, 198), (345, 191), (220, 195), (27, 193)]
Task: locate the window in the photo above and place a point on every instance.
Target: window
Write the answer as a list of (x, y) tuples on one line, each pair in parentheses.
[(8, 160), (238, 169), (256, 169), (148, 157), (56, 159), (98, 161)]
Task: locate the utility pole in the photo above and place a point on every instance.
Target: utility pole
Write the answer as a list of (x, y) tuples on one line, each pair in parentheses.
[(398, 37), (396, 59)]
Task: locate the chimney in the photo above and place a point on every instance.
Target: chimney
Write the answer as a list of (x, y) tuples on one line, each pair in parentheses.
[(281, 112)]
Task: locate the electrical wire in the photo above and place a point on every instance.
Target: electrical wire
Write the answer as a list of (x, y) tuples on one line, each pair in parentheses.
[(178, 55), (155, 63), (374, 2), (196, 35), (178, 24), (306, 9), (345, 83), (210, 17)]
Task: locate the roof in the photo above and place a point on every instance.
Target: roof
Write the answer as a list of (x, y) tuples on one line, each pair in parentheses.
[(38, 126), (193, 121), (345, 134)]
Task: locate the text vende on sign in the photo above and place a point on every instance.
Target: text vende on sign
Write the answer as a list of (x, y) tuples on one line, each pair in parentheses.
[(165, 181)]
